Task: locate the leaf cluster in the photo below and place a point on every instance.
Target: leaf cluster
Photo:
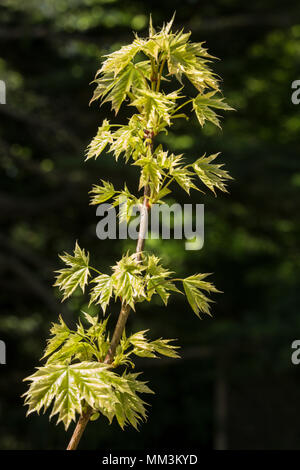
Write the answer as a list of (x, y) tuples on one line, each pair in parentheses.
[(75, 374)]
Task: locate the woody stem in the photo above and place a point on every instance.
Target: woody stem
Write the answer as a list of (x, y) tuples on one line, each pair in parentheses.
[(120, 326)]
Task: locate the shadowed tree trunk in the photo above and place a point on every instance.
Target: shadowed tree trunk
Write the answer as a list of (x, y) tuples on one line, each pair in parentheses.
[(220, 405)]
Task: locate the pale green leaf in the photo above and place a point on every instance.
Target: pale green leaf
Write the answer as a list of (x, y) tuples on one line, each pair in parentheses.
[(202, 105), (211, 174), (76, 274), (100, 141), (59, 332), (102, 292), (193, 287), (102, 193)]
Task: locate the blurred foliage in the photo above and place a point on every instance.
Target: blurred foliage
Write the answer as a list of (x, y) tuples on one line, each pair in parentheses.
[(50, 50)]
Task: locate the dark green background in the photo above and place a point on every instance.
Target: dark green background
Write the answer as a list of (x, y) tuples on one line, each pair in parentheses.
[(235, 386)]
